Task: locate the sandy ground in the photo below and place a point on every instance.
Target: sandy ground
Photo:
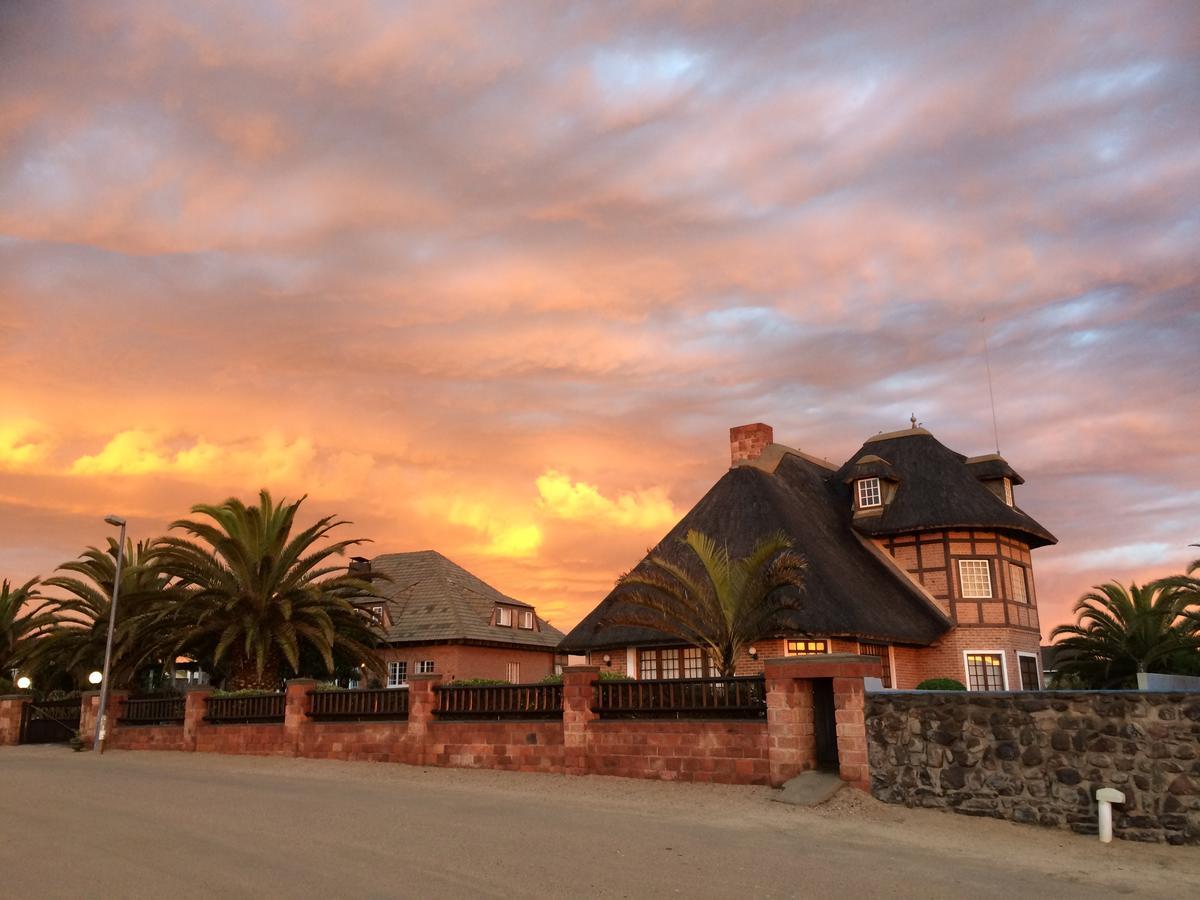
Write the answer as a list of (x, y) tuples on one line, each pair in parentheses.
[(196, 825)]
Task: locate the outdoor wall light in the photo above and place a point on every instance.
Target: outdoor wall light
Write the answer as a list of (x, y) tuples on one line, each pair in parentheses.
[(753, 652), (95, 678), (24, 683), (608, 659)]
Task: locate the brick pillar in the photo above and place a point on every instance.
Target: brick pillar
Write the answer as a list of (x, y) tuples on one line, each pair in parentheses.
[(89, 708), (295, 712), (422, 701), (849, 703), (791, 745), (113, 713), (577, 714), (11, 707), (195, 706)]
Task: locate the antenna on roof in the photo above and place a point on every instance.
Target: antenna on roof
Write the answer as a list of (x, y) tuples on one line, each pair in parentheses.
[(913, 419), (987, 362)]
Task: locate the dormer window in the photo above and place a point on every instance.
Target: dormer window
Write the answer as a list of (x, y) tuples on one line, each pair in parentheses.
[(504, 617), (869, 493), (526, 620), (1008, 498)]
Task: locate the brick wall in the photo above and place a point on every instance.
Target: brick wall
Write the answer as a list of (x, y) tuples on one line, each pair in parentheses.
[(730, 752), (147, 737), (464, 661), (515, 746), (1040, 757)]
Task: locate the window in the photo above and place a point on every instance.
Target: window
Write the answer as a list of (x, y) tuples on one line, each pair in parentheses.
[(659, 663), (504, 617), (397, 673), (526, 620), (1008, 492), (668, 664), (648, 668), (985, 671), (1016, 578), (868, 493), (693, 662), (1027, 664), (425, 667), (376, 612), (806, 648), (512, 673), (880, 650), (975, 577)]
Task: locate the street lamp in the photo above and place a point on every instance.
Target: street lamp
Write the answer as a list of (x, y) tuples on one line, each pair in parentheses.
[(24, 683), (95, 678), (101, 724)]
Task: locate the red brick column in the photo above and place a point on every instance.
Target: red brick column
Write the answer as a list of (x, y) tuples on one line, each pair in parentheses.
[(195, 706), (11, 707), (849, 702), (295, 712), (113, 712), (89, 708), (422, 701), (577, 714), (791, 746)]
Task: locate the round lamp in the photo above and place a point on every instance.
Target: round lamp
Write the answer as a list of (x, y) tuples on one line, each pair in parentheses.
[(95, 678), (24, 683), (608, 659), (753, 652)]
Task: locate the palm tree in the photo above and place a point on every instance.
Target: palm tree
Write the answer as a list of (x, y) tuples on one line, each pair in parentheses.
[(1121, 631), (75, 643), (21, 621), (734, 602), (255, 594)]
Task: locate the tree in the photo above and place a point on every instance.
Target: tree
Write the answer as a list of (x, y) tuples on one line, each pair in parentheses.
[(733, 603), (1121, 631), (22, 619), (75, 644), (254, 595)]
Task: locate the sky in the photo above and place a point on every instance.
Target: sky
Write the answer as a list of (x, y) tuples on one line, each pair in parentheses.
[(496, 278)]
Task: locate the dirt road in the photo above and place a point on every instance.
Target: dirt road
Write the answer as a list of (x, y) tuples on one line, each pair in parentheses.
[(196, 825)]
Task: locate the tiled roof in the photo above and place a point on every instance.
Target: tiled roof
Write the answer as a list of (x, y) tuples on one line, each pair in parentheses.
[(431, 598)]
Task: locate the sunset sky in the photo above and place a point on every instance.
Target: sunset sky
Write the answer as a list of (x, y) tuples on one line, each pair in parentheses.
[(496, 278)]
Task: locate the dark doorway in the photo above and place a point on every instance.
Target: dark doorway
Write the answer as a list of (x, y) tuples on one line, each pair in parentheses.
[(49, 722), (825, 723)]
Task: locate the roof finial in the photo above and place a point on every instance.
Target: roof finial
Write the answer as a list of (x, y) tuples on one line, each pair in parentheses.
[(914, 420)]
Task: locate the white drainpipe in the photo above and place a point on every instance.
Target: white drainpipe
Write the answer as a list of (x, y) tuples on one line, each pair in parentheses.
[(1106, 797)]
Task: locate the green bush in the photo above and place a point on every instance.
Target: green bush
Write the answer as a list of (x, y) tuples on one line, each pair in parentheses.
[(941, 684), (249, 692), (324, 686), (476, 682), (552, 679), (606, 675)]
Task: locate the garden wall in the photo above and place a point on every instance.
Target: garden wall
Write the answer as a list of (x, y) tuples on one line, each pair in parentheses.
[(730, 752), (1040, 757)]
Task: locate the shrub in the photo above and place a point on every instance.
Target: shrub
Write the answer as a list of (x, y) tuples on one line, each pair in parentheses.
[(324, 686), (476, 682), (941, 684), (552, 679), (606, 675), (247, 692)]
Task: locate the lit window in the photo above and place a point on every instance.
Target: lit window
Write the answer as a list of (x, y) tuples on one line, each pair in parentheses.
[(985, 672), (975, 576), (869, 493), (880, 650), (806, 648), (512, 673), (425, 667), (1016, 577), (527, 620), (503, 617), (693, 663), (1029, 672), (397, 674)]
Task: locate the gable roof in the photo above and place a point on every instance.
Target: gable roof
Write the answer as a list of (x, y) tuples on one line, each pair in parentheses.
[(431, 598), (850, 589), (938, 488)]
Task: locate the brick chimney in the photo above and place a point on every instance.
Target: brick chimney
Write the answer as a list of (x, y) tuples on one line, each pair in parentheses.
[(747, 442)]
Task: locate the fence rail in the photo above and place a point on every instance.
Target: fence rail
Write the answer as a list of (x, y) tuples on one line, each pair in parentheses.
[(257, 708), (682, 698), (500, 701), (155, 711), (359, 706)]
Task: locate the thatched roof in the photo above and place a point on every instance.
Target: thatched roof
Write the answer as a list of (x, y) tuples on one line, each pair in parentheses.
[(431, 598), (850, 589), (938, 489), (993, 466)]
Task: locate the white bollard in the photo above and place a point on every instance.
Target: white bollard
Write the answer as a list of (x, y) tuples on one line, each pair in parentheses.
[(1106, 797)]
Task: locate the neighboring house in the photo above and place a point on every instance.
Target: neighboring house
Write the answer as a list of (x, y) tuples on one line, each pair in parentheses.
[(916, 554), (439, 618)]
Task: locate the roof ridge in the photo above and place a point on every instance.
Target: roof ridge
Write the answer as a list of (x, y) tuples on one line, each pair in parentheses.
[(772, 455)]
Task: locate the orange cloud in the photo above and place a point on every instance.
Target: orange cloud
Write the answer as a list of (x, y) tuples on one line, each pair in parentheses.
[(21, 445), (566, 499)]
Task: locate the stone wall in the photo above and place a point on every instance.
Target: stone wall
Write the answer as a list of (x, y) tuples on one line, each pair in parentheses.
[(1040, 757)]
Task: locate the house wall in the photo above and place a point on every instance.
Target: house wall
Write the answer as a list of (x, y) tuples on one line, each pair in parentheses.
[(463, 661), (1041, 757)]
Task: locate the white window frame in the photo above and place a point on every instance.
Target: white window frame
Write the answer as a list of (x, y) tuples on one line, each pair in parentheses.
[(504, 617), (1037, 663), (512, 672), (426, 666), (526, 616), (1008, 493), (399, 666), (962, 581), (1019, 571), (868, 488), (1003, 666), (890, 659)]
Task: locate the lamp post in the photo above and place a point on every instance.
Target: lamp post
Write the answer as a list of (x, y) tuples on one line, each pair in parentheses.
[(112, 621)]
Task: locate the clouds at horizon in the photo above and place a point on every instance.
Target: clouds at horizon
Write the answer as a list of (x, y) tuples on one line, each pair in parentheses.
[(496, 278)]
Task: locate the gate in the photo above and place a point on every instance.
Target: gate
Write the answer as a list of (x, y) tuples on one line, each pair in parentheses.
[(50, 721)]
